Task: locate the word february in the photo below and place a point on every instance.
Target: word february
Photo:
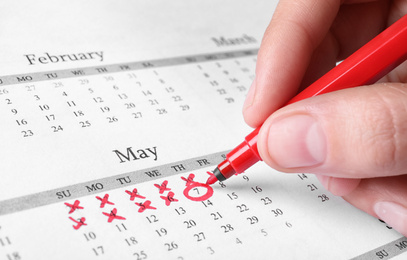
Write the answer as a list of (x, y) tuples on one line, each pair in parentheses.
[(47, 58), (133, 154)]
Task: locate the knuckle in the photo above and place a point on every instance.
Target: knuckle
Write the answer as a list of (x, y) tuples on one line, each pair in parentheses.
[(386, 140)]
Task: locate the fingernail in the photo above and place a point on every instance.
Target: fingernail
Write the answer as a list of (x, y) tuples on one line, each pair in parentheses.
[(250, 96), (394, 214), (296, 141)]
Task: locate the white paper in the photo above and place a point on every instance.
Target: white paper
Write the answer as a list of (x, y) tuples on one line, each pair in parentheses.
[(104, 102)]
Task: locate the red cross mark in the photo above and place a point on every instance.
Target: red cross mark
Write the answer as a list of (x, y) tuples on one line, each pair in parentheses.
[(134, 194), (189, 180), (113, 215), (144, 206), (162, 187), (104, 201), (74, 206), (169, 198), (79, 223)]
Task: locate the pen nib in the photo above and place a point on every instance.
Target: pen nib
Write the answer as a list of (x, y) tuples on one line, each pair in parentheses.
[(211, 180)]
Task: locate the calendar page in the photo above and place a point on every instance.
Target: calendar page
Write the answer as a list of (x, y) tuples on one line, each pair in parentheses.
[(113, 115)]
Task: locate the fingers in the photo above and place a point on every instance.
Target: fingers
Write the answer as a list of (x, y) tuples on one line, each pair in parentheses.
[(304, 40), (353, 133), (296, 29), (338, 186), (384, 198)]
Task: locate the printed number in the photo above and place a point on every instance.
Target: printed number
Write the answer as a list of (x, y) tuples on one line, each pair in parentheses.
[(58, 84), (105, 109), (257, 189), (232, 196), (85, 123), (184, 107), (161, 232), (312, 187), (71, 103), (30, 88), (266, 200), (43, 107), (171, 246), (323, 197), (242, 208), (83, 81), (277, 212), (121, 227), (216, 216), (21, 122), (207, 203), (152, 219), (227, 228), (302, 176), (264, 232), (177, 98), (57, 128), (199, 237), (190, 223), (78, 113), (137, 115), (221, 184), (131, 241), (180, 211), (3, 91), (161, 111), (140, 255), (129, 105), (27, 133), (89, 236), (5, 241), (98, 100), (112, 119), (98, 250), (253, 220), (50, 117)]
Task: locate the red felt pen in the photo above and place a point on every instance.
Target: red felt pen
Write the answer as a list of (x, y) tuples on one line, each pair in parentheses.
[(367, 65)]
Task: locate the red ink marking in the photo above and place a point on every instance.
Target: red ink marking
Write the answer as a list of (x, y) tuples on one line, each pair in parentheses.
[(189, 180), (113, 215), (162, 187), (79, 223), (134, 194), (144, 206), (104, 201), (203, 197), (210, 173), (169, 198), (74, 206)]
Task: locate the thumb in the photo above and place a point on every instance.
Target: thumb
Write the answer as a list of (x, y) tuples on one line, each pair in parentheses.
[(353, 133)]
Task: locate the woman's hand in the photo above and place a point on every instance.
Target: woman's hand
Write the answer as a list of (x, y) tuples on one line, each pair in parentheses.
[(355, 140)]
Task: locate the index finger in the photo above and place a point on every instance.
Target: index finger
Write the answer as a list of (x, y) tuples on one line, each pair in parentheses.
[(296, 29)]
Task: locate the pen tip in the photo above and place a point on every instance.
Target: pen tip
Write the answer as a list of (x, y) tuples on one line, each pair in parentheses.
[(211, 180)]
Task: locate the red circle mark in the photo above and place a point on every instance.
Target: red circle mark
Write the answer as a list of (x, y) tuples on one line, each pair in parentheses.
[(192, 185)]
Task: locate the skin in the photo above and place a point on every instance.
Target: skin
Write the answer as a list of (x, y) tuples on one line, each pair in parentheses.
[(354, 140)]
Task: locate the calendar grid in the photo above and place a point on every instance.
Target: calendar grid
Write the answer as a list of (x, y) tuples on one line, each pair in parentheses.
[(120, 67), (109, 183)]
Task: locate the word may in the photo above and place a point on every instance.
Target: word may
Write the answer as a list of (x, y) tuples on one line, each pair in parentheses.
[(48, 58), (133, 154)]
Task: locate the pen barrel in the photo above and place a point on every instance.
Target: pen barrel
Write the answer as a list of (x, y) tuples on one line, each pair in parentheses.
[(245, 154), (367, 65)]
